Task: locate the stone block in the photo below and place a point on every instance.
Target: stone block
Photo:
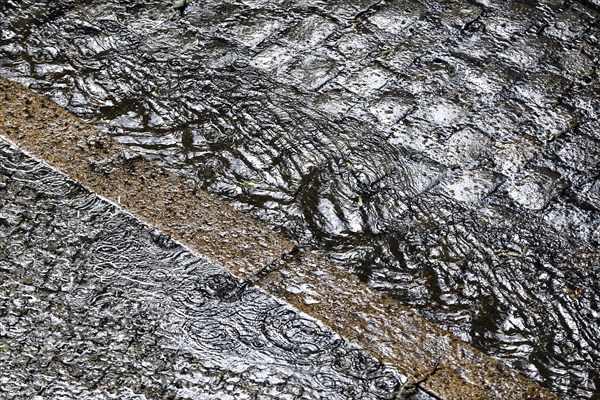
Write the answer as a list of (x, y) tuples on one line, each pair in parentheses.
[(314, 70), (534, 188), (396, 17), (473, 186), (366, 81), (273, 60), (310, 32)]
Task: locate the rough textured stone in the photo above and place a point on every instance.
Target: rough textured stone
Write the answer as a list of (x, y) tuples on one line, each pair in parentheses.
[(216, 94), (167, 201), (123, 254), (440, 363), (96, 305)]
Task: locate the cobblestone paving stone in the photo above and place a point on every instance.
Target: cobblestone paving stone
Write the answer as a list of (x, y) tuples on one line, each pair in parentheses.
[(95, 305), (438, 361), (446, 152)]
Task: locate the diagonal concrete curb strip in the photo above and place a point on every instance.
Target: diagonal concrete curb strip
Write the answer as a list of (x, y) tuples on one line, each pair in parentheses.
[(442, 364), (163, 199), (436, 361)]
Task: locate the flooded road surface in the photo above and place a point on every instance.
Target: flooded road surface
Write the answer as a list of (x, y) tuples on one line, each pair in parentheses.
[(96, 305), (448, 153)]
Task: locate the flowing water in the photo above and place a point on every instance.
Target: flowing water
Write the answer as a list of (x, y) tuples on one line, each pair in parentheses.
[(95, 305), (446, 152)]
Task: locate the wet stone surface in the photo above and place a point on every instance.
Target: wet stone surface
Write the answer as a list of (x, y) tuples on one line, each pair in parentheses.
[(443, 364), (167, 201), (393, 334), (94, 304), (445, 152)]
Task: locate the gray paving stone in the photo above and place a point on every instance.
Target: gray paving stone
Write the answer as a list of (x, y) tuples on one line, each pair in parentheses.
[(310, 32), (534, 189)]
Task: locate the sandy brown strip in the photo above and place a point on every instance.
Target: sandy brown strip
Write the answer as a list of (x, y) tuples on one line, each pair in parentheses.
[(162, 199), (443, 365), (446, 366)]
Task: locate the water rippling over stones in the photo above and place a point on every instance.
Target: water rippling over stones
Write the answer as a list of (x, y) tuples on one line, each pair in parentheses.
[(445, 152), (96, 305)]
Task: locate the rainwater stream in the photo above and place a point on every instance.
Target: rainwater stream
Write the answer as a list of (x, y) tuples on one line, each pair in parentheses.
[(96, 305), (446, 152)]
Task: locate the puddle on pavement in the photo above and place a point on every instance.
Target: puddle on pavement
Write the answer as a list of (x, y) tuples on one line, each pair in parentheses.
[(445, 152)]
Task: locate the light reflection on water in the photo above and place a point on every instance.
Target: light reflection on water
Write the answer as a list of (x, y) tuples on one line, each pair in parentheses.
[(97, 305), (445, 153)]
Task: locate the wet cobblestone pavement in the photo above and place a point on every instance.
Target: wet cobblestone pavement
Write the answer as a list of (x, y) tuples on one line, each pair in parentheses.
[(93, 304), (446, 152), (437, 360)]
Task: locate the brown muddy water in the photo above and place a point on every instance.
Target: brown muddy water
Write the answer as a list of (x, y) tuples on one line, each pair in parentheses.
[(447, 153)]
